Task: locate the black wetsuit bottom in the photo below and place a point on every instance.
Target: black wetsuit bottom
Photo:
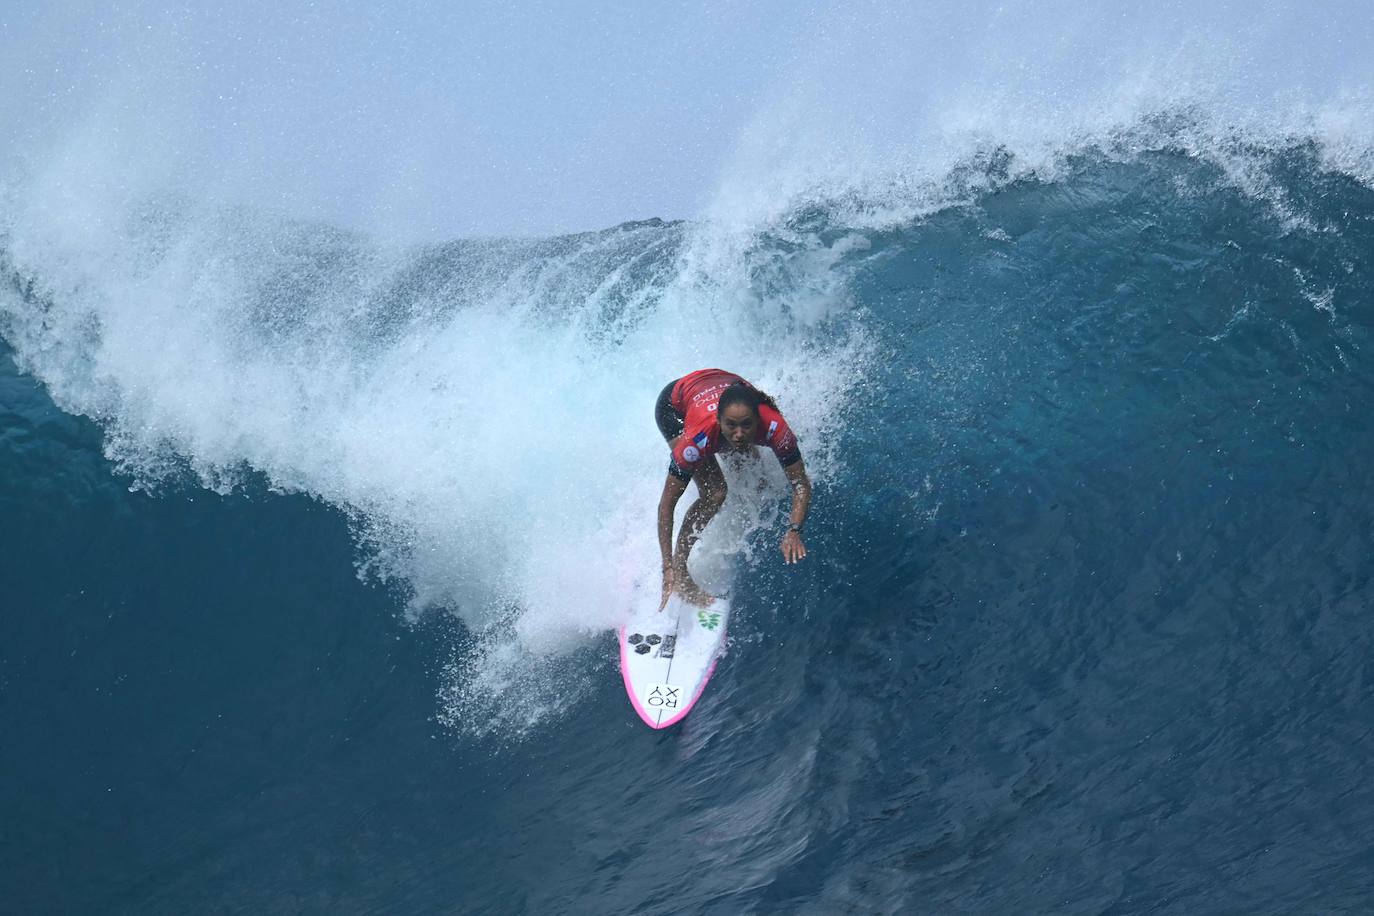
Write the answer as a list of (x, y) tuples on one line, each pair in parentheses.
[(670, 422)]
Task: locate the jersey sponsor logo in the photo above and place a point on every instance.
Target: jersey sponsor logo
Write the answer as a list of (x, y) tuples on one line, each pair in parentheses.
[(700, 439), (772, 428), (690, 453), (708, 391)]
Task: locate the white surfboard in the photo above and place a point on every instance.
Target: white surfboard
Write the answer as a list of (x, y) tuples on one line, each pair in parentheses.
[(666, 657)]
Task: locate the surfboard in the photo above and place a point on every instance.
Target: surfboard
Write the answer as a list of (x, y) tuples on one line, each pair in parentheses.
[(666, 657)]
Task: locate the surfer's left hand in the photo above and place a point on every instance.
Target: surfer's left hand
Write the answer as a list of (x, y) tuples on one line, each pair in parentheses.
[(792, 547)]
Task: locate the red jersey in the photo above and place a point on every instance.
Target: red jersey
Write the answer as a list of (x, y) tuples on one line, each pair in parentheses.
[(697, 397)]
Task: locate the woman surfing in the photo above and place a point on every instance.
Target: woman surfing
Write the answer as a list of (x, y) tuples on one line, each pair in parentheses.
[(707, 412)]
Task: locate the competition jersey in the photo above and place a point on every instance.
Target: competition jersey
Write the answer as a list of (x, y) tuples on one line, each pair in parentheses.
[(697, 397)]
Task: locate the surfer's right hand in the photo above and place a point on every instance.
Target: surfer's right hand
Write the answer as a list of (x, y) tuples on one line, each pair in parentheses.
[(667, 587)]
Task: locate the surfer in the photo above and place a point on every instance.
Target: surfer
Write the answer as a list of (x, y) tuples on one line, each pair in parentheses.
[(707, 412)]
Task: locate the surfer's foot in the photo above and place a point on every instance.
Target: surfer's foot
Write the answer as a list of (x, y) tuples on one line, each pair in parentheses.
[(694, 594)]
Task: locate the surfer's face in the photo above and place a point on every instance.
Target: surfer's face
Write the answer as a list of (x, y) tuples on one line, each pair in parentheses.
[(737, 424)]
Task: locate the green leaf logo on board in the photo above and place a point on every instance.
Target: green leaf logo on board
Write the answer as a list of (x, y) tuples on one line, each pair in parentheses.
[(708, 619)]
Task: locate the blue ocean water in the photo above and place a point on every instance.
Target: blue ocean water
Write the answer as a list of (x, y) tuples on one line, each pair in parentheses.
[(312, 552)]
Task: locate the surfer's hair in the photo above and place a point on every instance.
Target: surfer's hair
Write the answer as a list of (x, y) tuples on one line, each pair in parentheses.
[(744, 393)]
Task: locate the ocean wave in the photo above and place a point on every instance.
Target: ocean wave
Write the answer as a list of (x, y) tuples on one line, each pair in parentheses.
[(462, 402)]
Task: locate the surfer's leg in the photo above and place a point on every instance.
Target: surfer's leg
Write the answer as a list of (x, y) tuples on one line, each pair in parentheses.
[(711, 491)]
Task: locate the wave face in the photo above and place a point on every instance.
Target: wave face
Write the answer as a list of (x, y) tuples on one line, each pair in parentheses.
[(1084, 625)]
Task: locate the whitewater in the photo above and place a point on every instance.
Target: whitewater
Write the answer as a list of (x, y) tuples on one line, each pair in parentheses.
[(328, 465)]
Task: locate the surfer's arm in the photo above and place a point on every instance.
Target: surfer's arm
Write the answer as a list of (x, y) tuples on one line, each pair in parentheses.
[(792, 547), (673, 488)]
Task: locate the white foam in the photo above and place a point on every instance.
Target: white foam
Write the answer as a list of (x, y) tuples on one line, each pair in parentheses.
[(490, 434)]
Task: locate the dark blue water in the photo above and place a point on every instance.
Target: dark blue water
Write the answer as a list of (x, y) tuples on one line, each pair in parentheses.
[(1084, 627)]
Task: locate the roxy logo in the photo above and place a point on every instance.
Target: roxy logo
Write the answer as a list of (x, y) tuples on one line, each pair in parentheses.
[(664, 696)]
